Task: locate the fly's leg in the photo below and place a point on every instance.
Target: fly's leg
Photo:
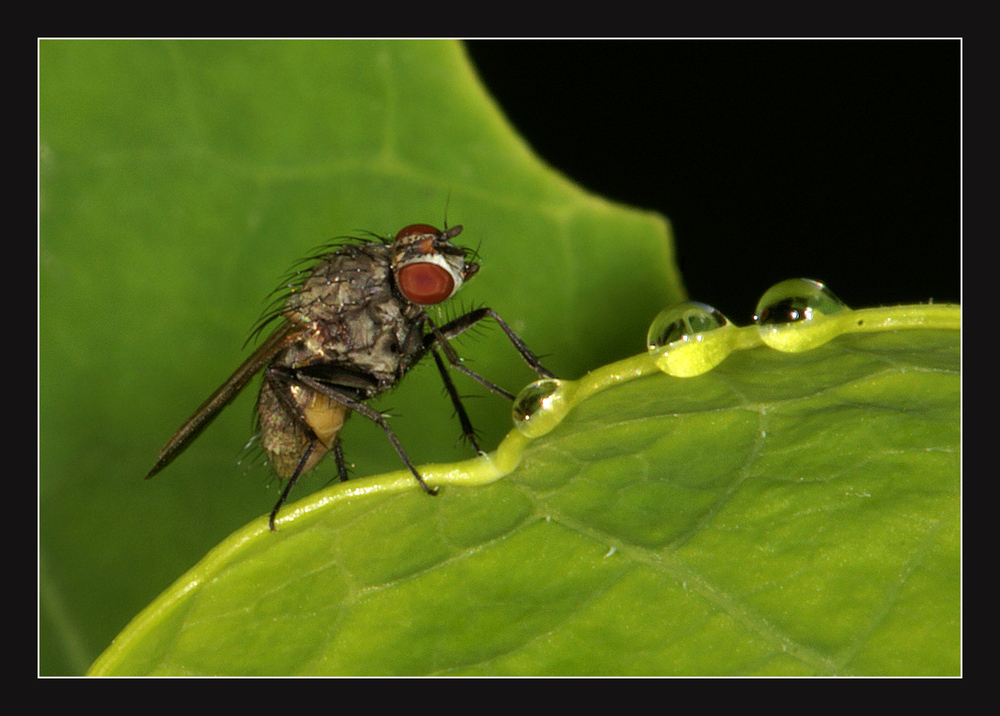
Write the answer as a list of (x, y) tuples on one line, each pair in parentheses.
[(298, 432), (359, 407), (463, 417), (338, 458), (530, 358), (291, 482), (442, 335), (338, 455), (280, 385)]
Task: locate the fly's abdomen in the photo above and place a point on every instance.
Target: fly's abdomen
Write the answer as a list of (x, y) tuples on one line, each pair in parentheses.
[(286, 438)]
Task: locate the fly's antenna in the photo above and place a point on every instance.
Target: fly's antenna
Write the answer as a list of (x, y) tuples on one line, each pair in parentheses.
[(470, 254), (447, 201)]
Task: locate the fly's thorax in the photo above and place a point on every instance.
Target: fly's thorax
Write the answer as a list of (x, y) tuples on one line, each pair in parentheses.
[(351, 315), (377, 346), (351, 277)]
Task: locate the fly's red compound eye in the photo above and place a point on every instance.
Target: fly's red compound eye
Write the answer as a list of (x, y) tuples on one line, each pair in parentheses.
[(427, 282), (428, 268)]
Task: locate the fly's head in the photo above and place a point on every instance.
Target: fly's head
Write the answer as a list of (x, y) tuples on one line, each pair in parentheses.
[(427, 266)]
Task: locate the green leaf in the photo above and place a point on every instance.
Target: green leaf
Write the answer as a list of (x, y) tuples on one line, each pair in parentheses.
[(780, 514), (178, 182)]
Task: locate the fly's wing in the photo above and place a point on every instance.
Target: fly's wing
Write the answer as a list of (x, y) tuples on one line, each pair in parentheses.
[(224, 395)]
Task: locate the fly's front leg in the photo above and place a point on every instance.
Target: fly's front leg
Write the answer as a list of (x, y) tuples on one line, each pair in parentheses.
[(441, 336), (530, 358)]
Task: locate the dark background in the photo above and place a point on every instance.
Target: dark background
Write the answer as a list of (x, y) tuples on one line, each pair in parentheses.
[(834, 160)]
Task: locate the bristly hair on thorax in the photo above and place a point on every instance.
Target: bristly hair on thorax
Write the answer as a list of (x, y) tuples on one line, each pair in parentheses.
[(299, 273)]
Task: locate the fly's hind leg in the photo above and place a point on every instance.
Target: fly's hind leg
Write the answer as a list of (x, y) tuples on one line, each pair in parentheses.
[(338, 455), (291, 482), (357, 406), (289, 430)]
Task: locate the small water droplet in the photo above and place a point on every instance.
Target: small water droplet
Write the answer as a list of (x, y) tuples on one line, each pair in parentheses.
[(682, 322), (796, 300), (790, 313), (688, 339), (540, 406)]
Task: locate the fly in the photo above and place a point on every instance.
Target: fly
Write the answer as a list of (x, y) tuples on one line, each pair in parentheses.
[(349, 331)]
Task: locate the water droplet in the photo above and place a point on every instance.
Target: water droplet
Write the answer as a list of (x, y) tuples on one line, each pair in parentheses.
[(682, 322), (540, 406), (689, 339), (791, 315), (796, 300)]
